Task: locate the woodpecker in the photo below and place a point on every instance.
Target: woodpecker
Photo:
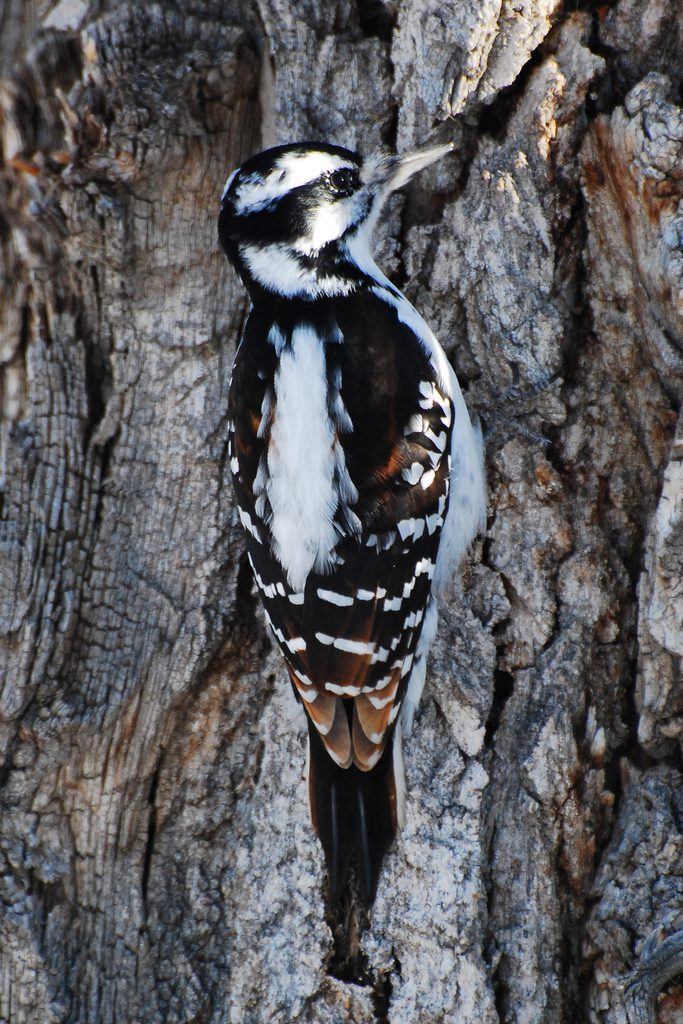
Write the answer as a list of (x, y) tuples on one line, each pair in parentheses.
[(358, 474)]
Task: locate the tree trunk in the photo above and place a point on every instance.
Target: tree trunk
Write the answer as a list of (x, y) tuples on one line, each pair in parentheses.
[(156, 858)]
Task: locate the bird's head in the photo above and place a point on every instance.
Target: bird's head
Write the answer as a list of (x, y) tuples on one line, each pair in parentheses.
[(297, 220)]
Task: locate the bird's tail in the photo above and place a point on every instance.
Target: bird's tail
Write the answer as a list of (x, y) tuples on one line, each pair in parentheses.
[(356, 814)]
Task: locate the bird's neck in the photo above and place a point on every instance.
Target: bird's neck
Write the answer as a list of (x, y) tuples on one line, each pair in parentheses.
[(281, 272)]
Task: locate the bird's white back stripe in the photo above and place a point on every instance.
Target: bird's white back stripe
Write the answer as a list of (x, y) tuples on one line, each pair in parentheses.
[(302, 527)]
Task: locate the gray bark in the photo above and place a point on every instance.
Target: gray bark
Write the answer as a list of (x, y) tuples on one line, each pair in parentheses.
[(156, 859)]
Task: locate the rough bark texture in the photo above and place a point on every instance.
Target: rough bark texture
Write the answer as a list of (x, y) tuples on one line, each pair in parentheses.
[(156, 860)]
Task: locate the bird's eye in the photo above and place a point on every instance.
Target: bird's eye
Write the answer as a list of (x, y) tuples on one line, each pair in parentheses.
[(343, 181)]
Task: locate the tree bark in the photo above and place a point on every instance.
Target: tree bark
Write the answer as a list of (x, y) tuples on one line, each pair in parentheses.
[(156, 859)]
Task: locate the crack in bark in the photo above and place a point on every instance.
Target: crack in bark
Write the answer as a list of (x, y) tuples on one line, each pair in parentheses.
[(151, 832), (376, 18), (382, 990), (349, 963), (503, 688)]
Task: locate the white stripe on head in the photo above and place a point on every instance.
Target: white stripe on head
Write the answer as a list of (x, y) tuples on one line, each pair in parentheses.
[(291, 170)]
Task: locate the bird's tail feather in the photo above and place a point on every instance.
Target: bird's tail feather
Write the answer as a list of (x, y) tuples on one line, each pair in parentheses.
[(355, 813)]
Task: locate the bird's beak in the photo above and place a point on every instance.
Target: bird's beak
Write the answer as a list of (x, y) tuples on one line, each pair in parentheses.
[(387, 174)]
